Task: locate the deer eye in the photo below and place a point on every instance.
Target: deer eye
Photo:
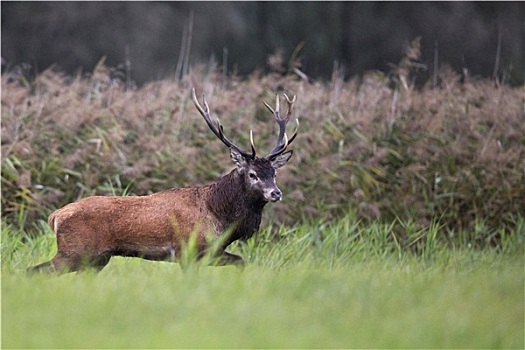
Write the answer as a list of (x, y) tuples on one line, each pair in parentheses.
[(253, 175)]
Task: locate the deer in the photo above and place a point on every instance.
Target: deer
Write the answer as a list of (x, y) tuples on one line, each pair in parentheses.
[(158, 226)]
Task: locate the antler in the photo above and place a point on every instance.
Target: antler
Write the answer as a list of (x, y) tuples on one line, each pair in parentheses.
[(281, 146), (219, 130)]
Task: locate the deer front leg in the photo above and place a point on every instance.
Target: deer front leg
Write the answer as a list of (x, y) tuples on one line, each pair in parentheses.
[(230, 259)]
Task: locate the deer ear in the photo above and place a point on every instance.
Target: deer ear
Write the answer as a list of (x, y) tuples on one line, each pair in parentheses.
[(281, 159), (238, 158)]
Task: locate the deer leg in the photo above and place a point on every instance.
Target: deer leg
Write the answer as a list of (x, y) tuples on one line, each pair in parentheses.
[(41, 268), (64, 264), (59, 264), (230, 259), (99, 262), (75, 263)]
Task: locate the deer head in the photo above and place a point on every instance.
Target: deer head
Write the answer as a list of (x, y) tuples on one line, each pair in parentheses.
[(258, 172)]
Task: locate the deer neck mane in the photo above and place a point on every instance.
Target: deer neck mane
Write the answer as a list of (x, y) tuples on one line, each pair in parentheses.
[(233, 206)]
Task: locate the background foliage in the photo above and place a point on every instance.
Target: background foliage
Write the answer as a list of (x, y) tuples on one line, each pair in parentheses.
[(453, 153)]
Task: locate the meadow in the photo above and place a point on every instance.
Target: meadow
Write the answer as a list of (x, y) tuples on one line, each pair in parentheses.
[(340, 284), (402, 223)]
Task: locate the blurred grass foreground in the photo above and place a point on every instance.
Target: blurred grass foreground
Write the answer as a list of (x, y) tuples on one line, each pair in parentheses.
[(452, 153)]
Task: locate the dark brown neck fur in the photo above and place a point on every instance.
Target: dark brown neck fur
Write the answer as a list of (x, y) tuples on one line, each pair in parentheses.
[(229, 201)]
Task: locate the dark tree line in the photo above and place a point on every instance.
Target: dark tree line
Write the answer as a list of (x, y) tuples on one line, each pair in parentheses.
[(358, 36)]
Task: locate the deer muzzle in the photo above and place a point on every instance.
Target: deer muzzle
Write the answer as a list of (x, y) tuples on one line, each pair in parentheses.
[(273, 194)]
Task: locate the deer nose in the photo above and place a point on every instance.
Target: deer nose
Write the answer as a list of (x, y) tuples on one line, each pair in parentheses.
[(276, 195)]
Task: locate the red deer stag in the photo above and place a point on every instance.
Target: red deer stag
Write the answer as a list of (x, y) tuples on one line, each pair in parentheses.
[(156, 227)]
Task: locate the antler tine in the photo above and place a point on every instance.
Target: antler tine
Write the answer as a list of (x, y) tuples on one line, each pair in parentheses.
[(295, 131), (251, 143), (290, 105), (280, 146), (218, 130), (269, 108)]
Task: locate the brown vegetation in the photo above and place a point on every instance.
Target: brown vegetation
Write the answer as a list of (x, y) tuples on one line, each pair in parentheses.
[(384, 149)]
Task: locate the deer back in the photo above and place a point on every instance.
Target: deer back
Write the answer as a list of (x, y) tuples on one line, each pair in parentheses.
[(107, 223)]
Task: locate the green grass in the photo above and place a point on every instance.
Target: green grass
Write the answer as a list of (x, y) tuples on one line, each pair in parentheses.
[(317, 285)]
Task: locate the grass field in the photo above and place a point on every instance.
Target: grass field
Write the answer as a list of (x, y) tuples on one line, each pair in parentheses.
[(337, 284)]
